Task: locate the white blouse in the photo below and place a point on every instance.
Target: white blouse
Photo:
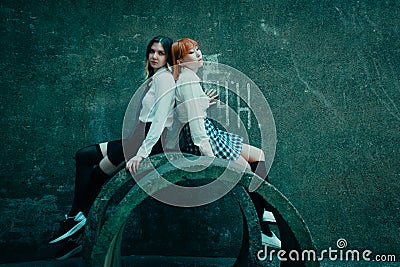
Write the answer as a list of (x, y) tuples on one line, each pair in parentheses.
[(192, 104), (157, 106)]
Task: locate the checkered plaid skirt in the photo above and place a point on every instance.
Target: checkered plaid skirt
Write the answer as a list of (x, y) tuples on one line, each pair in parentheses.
[(224, 145)]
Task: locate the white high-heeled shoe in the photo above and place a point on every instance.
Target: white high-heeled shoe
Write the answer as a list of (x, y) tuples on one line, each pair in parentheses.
[(268, 217), (270, 241)]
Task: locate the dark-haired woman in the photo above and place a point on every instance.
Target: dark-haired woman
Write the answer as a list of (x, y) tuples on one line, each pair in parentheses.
[(96, 164)]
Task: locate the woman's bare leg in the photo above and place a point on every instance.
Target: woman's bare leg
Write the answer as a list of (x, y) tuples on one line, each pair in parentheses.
[(252, 153), (242, 161)]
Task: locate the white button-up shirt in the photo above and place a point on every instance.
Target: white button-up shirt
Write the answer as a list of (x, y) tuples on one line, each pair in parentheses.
[(192, 104), (157, 106)]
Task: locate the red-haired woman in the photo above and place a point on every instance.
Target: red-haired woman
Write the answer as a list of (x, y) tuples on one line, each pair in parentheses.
[(96, 164), (200, 134)]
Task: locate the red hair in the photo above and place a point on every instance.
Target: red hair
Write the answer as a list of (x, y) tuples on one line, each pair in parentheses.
[(180, 49)]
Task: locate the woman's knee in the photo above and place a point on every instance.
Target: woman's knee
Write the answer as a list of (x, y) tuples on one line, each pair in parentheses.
[(256, 154), (80, 154), (261, 155), (90, 155), (252, 153)]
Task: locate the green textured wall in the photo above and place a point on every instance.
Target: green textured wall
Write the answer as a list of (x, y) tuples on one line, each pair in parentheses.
[(329, 69)]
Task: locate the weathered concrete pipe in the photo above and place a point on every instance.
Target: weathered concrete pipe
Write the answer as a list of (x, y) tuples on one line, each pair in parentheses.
[(102, 241)]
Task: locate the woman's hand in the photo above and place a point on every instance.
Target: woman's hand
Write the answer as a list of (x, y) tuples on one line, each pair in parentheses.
[(133, 164), (212, 95)]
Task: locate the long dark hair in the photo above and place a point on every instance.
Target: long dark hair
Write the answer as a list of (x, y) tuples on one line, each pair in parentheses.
[(166, 42)]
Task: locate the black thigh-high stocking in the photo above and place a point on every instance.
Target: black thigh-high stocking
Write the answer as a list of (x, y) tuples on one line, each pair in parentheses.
[(86, 158), (98, 179), (260, 204), (258, 167), (112, 163)]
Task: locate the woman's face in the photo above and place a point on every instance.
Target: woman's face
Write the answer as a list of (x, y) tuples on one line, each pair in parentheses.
[(193, 60), (157, 57)]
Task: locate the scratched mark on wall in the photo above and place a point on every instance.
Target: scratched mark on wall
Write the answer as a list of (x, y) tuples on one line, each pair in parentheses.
[(377, 79)]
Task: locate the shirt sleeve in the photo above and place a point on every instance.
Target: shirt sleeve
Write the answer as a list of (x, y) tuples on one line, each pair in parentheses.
[(165, 97), (195, 103)]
